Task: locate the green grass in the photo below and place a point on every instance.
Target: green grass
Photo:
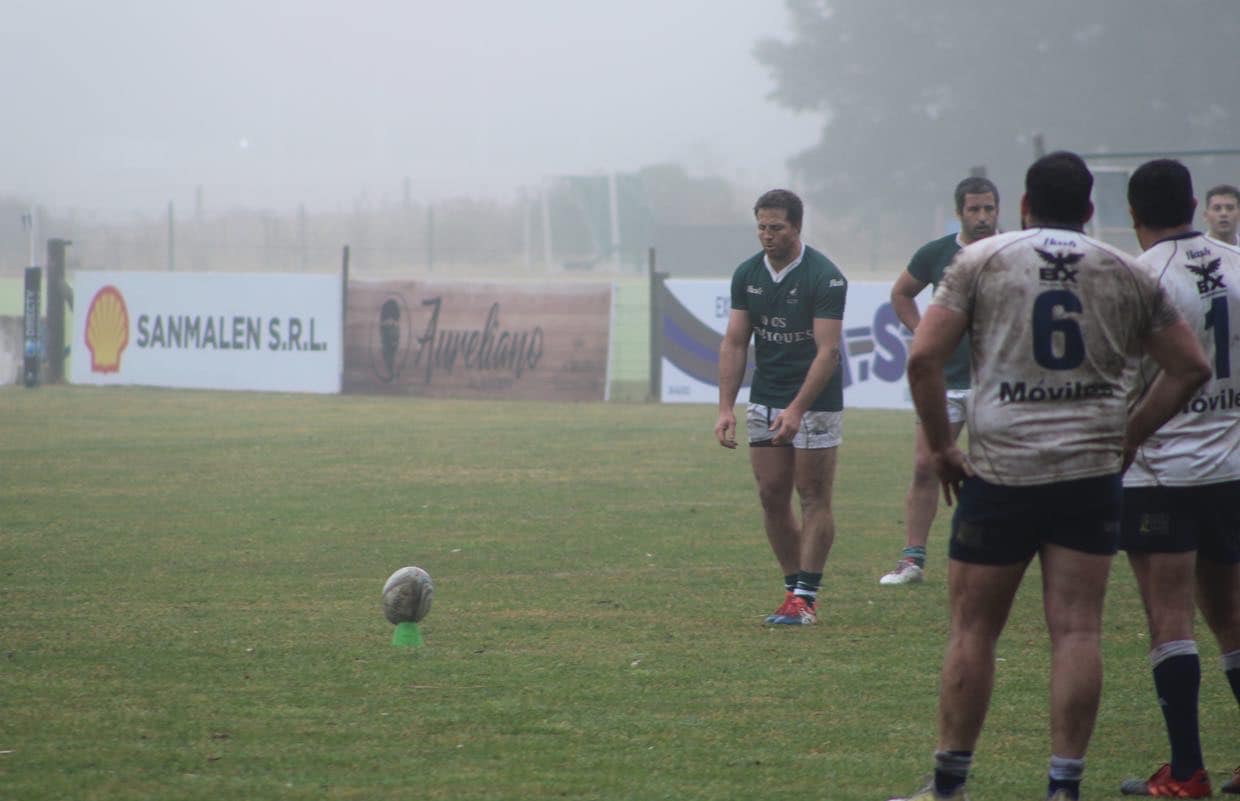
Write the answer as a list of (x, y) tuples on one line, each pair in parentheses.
[(190, 600)]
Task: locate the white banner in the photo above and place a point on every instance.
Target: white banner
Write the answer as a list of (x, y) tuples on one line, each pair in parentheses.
[(265, 332), (695, 315)]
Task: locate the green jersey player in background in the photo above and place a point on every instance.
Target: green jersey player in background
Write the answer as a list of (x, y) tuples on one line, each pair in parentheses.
[(790, 300), (977, 208), (1181, 525)]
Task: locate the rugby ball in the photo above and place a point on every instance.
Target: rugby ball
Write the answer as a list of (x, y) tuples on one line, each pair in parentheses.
[(407, 595)]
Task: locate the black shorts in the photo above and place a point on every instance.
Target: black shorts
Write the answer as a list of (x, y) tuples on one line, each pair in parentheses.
[(1001, 525), (1205, 518)]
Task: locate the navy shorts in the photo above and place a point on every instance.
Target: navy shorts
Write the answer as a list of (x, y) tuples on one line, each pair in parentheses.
[(1001, 525), (1205, 519)]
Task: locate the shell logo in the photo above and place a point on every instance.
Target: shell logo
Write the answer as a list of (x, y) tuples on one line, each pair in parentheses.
[(107, 330)]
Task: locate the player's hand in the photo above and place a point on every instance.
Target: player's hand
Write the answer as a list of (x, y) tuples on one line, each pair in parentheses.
[(725, 429), (785, 426), (953, 468)]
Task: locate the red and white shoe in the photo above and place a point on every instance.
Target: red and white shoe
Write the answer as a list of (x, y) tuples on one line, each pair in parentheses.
[(1163, 785), (785, 609), (799, 613)]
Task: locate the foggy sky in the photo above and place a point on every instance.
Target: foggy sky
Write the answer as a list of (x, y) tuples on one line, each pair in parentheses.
[(127, 105)]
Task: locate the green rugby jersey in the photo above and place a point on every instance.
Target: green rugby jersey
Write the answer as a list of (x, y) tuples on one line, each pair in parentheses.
[(927, 266), (782, 315)]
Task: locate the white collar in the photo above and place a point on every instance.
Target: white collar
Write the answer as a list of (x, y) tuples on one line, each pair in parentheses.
[(779, 276)]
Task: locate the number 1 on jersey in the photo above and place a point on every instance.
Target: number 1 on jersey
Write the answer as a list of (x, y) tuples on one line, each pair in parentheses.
[(1218, 319)]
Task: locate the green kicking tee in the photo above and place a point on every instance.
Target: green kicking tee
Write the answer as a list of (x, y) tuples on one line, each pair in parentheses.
[(928, 265), (782, 315)]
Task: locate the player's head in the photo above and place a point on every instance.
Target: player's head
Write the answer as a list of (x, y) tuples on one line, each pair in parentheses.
[(1057, 189), (776, 199), (974, 185), (1160, 195), (1222, 211), (977, 207)]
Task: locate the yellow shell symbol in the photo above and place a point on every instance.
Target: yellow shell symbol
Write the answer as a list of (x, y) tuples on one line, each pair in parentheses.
[(107, 330)]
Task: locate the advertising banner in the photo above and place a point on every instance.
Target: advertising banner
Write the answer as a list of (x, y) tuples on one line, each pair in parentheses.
[(264, 332), (694, 316), (458, 340)]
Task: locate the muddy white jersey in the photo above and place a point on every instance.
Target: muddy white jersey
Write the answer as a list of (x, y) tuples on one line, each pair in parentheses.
[(1055, 319), (1201, 443)]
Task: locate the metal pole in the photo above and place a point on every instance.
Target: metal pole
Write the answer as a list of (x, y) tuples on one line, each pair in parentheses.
[(55, 337), (30, 326), (614, 210), (656, 325)]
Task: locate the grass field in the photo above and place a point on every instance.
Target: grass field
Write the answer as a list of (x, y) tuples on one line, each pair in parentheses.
[(190, 601)]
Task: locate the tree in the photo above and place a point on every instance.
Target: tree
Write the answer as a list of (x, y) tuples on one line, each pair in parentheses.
[(914, 94)]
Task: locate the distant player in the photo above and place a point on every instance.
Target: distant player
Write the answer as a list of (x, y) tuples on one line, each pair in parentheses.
[(1181, 524), (977, 208), (1055, 319), (1222, 212), (790, 300)]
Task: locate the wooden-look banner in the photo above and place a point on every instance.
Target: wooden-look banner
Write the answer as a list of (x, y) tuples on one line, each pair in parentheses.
[(458, 340)]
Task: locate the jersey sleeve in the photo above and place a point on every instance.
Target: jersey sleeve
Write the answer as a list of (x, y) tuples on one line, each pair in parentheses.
[(955, 290), (1162, 311), (921, 266), (831, 295), (740, 299)]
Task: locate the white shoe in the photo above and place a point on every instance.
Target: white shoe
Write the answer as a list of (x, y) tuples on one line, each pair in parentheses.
[(906, 572)]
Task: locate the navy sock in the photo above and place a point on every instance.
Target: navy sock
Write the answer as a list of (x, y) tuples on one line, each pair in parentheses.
[(1177, 679), (1231, 669), (951, 769), (1065, 774), (790, 582), (807, 586)]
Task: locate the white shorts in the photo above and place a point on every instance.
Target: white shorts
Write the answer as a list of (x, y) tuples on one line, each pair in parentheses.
[(818, 429), (957, 405)]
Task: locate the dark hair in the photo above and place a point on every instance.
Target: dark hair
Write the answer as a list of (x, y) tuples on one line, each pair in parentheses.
[(974, 185), (1222, 189), (1058, 186), (782, 199), (1160, 193)]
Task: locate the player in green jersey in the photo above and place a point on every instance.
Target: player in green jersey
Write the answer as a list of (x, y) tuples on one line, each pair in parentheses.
[(977, 208), (789, 299)]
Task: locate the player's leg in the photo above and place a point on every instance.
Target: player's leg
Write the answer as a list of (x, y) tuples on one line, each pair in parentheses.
[(815, 480), (920, 507), (980, 598), (1073, 589), (1218, 596), (1218, 587), (773, 470), (1160, 532), (991, 546), (1165, 581)]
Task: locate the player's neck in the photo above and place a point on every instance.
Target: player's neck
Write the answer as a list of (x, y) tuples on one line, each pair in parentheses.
[(1233, 240), (1034, 222), (1148, 237), (778, 264)]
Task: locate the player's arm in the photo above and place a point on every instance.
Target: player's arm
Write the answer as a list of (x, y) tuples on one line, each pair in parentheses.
[(1183, 369), (827, 334), (733, 353), (903, 303), (935, 340)]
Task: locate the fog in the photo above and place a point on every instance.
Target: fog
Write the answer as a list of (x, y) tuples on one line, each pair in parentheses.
[(129, 105)]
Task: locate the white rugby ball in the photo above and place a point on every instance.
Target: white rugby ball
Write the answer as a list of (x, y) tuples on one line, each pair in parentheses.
[(407, 595)]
